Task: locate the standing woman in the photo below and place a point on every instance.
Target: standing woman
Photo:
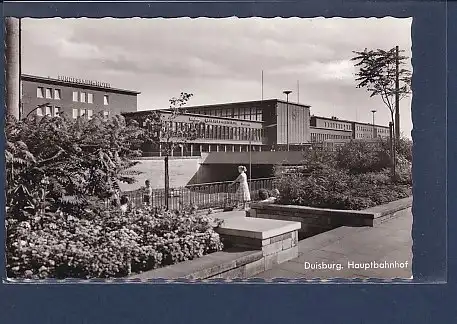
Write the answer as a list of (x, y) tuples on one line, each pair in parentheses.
[(243, 193)]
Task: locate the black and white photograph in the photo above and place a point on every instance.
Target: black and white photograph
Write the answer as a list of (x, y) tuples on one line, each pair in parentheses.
[(208, 148)]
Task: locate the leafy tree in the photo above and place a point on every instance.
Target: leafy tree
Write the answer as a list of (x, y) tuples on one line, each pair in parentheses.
[(377, 73), (61, 163), (163, 129)]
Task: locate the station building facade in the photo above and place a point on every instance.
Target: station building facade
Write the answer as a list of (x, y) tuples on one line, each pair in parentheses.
[(75, 97), (241, 127), (271, 125)]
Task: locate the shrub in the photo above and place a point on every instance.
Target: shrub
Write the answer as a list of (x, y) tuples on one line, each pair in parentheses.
[(338, 189), (57, 245), (83, 162), (359, 156), (356, 176)]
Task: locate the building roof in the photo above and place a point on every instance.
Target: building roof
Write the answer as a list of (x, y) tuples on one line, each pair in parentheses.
[(75, 83), (144, 112), (346, 121), (247, 102)]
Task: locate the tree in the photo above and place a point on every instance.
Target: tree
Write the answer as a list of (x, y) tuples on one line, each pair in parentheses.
[(163, 129), (72, 165), (383, 74), (377, 73)]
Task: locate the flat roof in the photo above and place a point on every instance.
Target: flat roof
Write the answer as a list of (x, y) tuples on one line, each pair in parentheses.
[(346, 121), (50, 80), (139, 112), (247, 102)]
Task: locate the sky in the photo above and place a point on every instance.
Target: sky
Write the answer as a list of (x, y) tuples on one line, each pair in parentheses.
[(221, 60)]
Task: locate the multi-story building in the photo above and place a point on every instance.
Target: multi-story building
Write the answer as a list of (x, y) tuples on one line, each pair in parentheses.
[(323, 129), (74, 97), (243, 126), (336, 130), (284, 122)]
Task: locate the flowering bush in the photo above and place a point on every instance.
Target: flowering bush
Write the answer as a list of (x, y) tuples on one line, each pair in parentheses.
[(57, 245)]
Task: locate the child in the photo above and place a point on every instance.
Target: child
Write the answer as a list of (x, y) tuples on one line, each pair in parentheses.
[(147, 193)]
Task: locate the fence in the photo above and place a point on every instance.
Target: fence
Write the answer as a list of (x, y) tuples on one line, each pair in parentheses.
[(205, 195)]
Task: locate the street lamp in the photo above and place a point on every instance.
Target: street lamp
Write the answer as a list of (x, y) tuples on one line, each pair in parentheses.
[(287, 93), (373, 111)]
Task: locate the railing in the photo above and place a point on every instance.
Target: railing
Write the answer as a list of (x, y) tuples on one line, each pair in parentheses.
[(205, 195)]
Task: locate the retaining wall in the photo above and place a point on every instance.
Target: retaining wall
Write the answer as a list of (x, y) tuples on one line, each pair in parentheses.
[(318, 220)]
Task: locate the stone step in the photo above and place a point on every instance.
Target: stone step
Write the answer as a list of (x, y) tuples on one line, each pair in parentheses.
[(277, 239), (256, 228)]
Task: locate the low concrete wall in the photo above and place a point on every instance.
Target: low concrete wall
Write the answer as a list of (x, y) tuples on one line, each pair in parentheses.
[(251, 247), (318, 220)]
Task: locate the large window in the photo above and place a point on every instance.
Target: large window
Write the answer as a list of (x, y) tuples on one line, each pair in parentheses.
[(83, 97), (90, 98), (75, 113), (48, 110), (82, 112), (57, 94), (236, 113), (89, 113), (75, 97), (259, 114), (56, 111), (105, 100), (39, 92), (48, 93), (39, 111)]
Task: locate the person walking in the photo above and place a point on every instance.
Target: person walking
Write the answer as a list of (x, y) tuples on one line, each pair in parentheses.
[(243, 194)]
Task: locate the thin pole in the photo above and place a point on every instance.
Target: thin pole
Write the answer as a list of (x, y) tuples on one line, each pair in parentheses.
[(287, 92), (374, 131), (287, 122), (397, 94), (298, 91), (262, 85)]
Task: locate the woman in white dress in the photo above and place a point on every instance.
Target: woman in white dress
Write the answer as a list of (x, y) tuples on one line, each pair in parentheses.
[(243, 194)]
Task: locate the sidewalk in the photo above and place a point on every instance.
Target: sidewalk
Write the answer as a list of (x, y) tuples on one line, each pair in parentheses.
[(389, 242)]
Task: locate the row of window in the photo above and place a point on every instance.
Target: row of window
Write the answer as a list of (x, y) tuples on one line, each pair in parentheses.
[(48, 93), (54, 111), (368, 135), (246, 113), (88, 97), (85, 97), (337, 125), (383, 130), (48, 110), (218, 132), (318, 137)]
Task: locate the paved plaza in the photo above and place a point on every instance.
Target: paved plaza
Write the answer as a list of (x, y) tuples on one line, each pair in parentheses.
[(387, 244)]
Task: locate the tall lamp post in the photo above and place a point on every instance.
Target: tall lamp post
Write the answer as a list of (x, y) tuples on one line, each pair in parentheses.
[(287, 93), (374, 131)]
